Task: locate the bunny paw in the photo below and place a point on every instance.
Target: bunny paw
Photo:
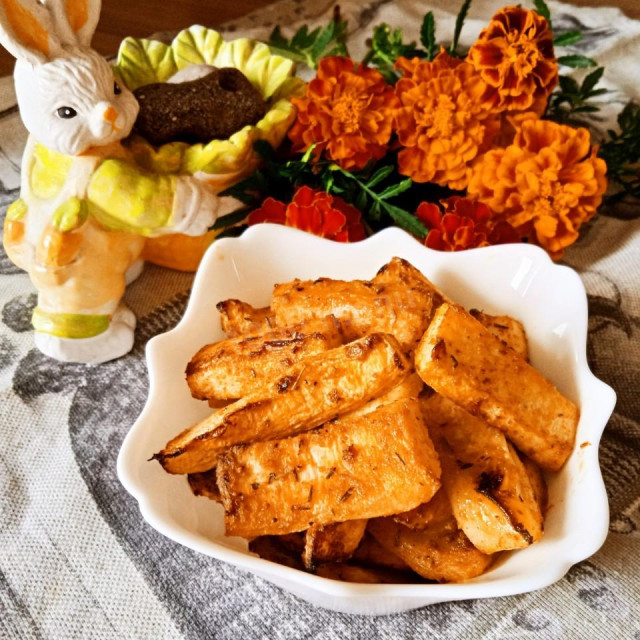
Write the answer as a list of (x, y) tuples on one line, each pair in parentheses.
[(116, 341)]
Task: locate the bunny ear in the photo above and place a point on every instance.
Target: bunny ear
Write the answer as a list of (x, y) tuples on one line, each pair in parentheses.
[(27, 31), (83, 17), (75, 20)]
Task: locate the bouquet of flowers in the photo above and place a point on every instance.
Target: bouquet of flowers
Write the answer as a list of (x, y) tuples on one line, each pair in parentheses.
[(461, 149)]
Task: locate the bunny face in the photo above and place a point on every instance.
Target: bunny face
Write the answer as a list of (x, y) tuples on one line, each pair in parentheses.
[(68, 97), (74, 102)]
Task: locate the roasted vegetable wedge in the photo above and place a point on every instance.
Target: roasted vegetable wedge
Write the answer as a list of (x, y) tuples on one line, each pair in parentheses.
[(464, 362), (488, 486), (410, 387), (332, 542), (399, 300), (440, 551), (354, 468), (315, 390), (507, 329), (371, 553), (204, 484), (238, 318), (233, 368), (274, 549)]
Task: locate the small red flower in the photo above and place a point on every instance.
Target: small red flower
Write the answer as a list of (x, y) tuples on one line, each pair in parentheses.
[(317, 212), (460, 223)]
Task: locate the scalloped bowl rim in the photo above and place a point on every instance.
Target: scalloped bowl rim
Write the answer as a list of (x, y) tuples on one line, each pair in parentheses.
[(375, 599)]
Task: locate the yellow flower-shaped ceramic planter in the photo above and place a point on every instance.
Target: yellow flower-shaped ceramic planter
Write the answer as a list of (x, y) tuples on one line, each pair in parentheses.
[(220, 163)]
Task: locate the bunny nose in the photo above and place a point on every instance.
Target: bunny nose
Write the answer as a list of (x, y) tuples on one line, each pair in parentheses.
[(111, 115)]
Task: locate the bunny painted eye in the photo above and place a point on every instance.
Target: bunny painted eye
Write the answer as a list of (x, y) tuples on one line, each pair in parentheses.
[(116, 89), (66, 113)]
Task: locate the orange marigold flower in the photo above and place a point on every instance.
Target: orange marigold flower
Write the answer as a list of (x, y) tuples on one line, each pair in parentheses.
[(461, 223), (510, 124), (514, 55), (347, 112), (441, 125), (546, 184), (415, 67), (317, 212)]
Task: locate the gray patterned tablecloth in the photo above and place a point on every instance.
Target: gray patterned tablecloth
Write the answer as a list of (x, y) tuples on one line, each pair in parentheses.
[(78, 561)]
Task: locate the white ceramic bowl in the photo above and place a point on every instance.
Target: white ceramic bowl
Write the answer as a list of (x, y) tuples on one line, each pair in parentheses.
[(518, 280)]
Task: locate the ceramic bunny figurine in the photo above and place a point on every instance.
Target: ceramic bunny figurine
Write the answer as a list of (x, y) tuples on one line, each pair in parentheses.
[(85, 208)]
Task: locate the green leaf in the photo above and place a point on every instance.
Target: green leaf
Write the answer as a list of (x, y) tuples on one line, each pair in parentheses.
[(386, 47), (264, 149), (340, 49), (428, 35), (621, 152), (543, 10), (276, 38), (591, 81), (245, 197), (328, 179), (231, 219), (379, 176), (390, 75), (311, 46), (462, 14), (587, 108), (395, 189), (361, 201), (577, 61), (323, 39), (406, 221), (302, 39), (567, 38), (373, 205), (375, 210), (569, 85), (558, 100), (571, 98)]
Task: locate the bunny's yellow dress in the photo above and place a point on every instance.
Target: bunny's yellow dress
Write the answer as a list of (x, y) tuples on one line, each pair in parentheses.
[(81, 222)]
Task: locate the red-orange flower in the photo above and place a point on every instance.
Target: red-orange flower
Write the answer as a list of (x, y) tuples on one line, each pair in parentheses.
[(347, 112), (514, 55), (441, 125), (461, 223), (316, 212), (546, 184)]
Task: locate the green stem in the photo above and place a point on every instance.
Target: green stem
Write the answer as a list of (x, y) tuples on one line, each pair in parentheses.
[(368, 57), (296, 57), (369, 192), (415, 226)]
